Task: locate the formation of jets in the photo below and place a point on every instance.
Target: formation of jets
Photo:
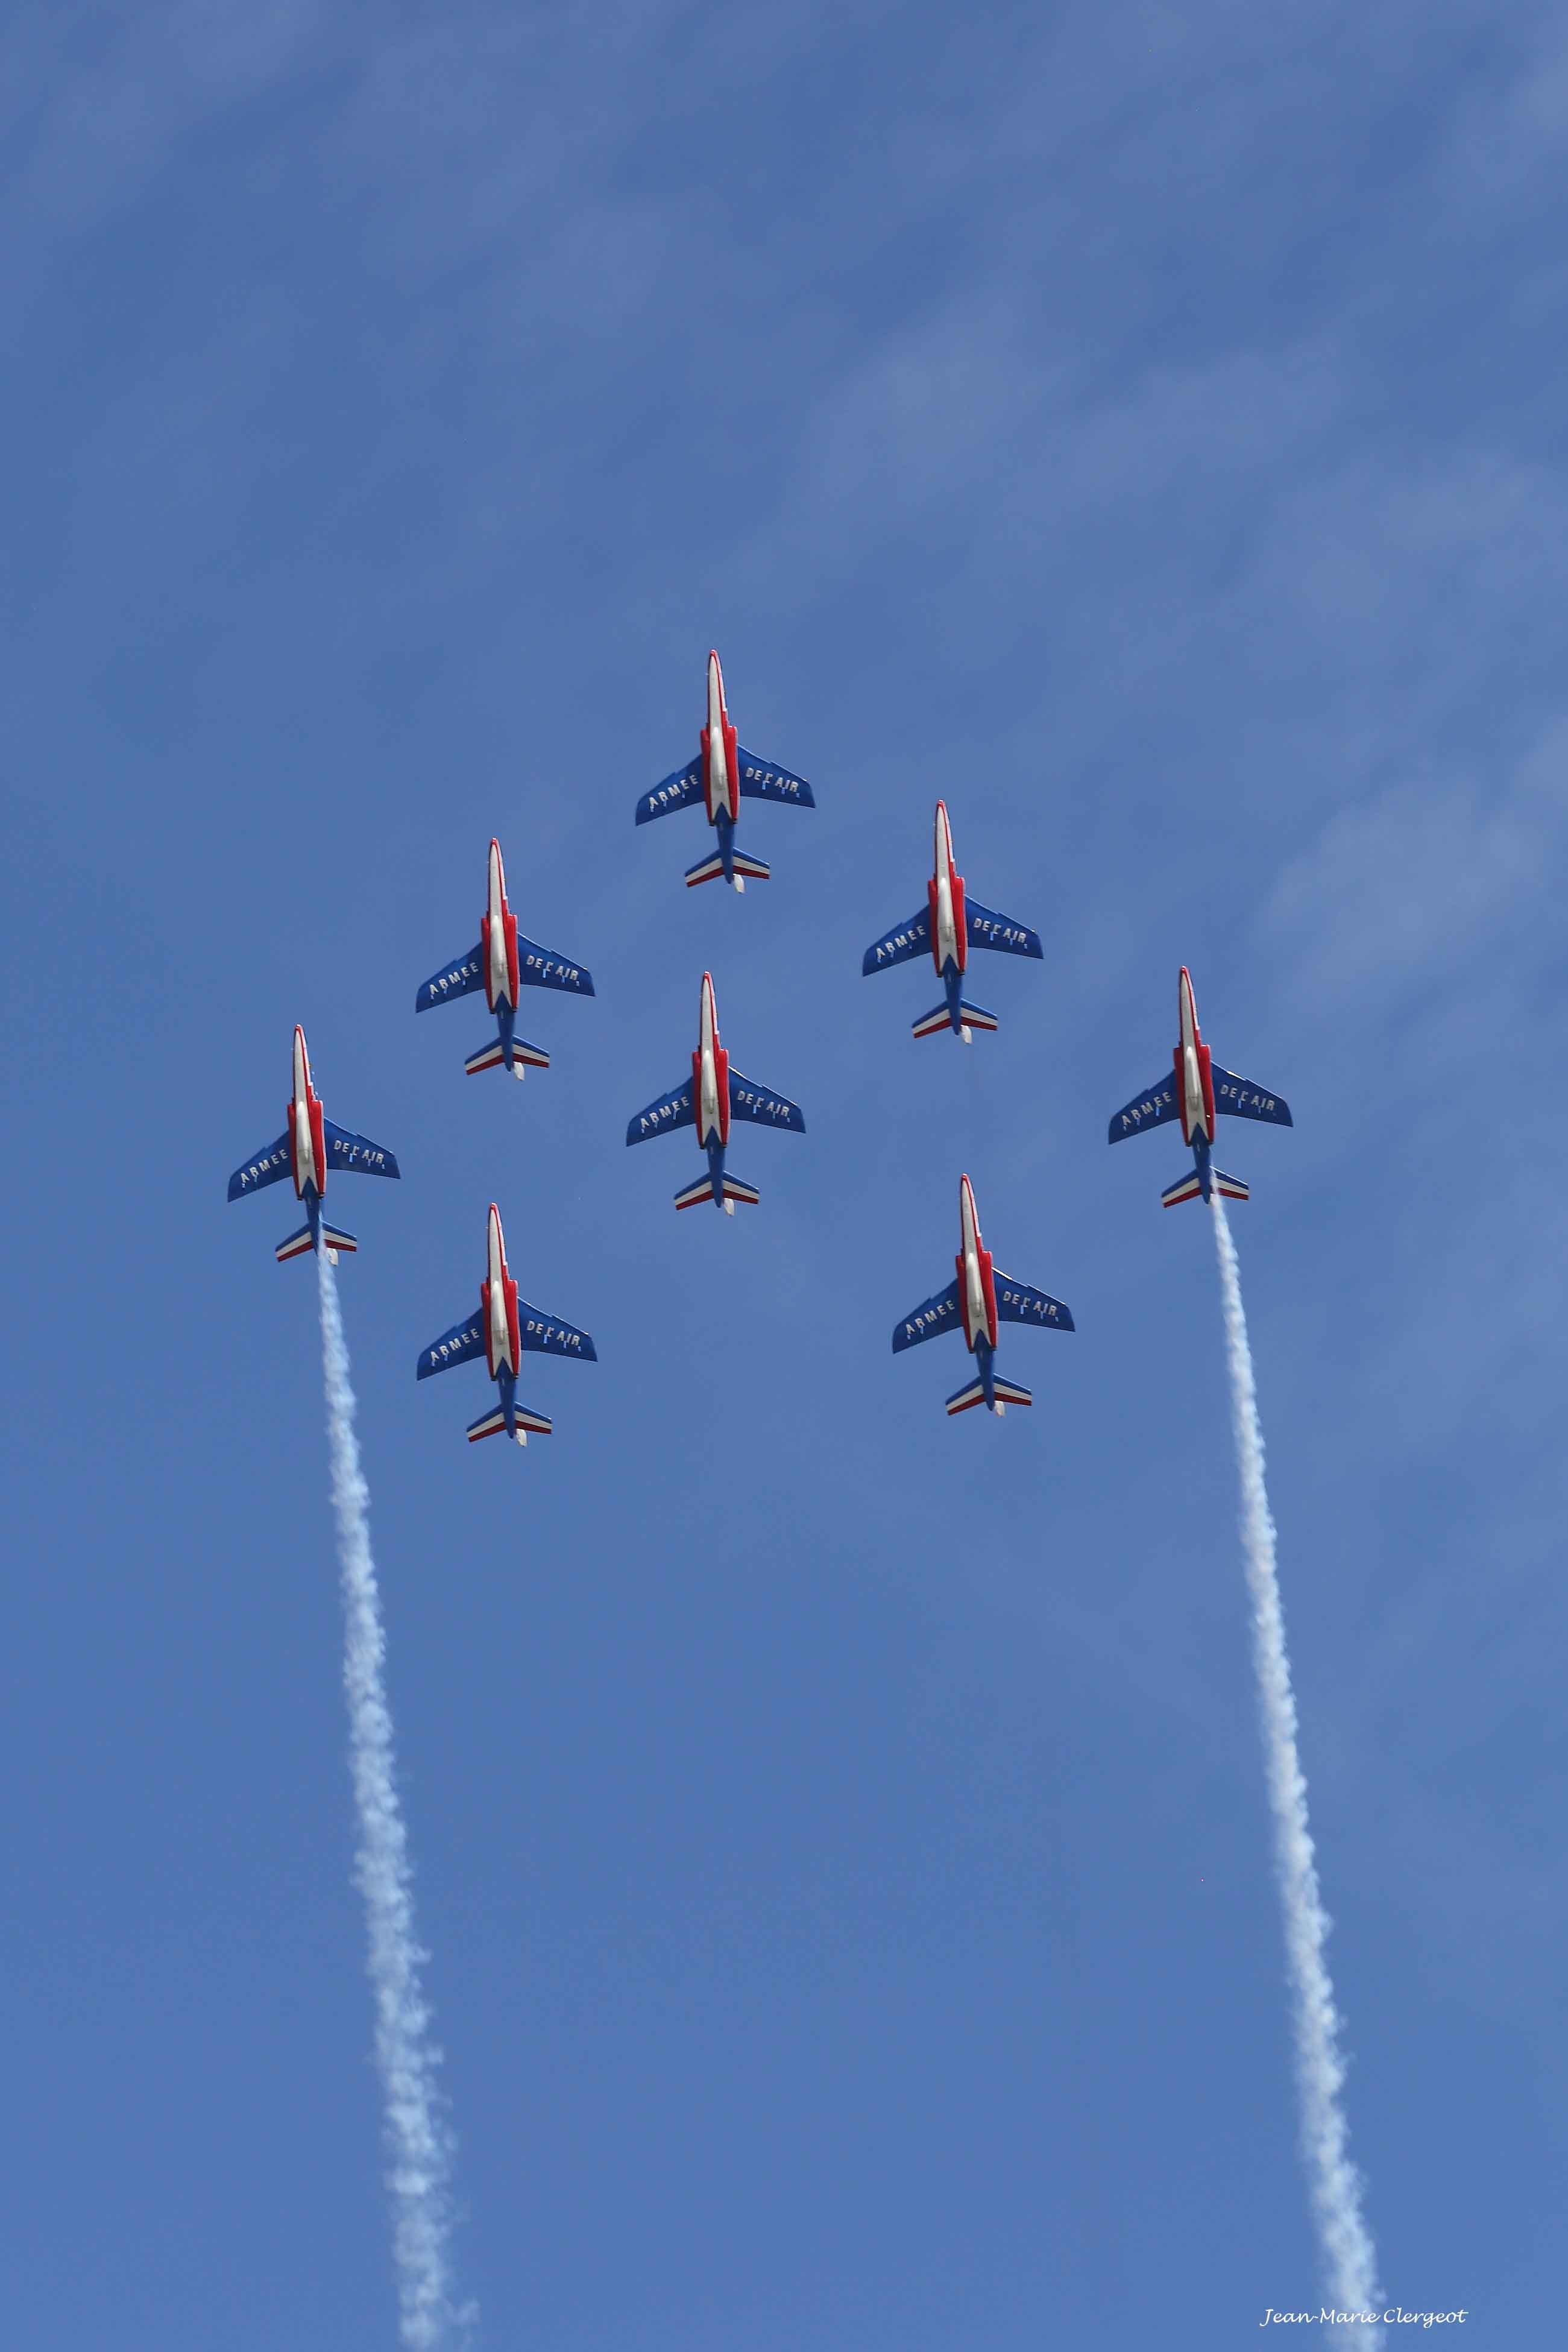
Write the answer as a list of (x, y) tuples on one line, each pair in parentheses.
[(978, 1299)]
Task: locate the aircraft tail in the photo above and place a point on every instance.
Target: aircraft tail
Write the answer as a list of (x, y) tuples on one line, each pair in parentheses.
[(972, 1016), (493, 1056), (744, 869), (334, 1239), (1190, 1187), (735, 1189), (493, 1424), (1005, 1393)]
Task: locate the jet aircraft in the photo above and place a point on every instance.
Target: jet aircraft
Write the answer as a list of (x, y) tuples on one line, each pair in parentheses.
[(505, 1330), (949, 925), (978, 1299), (722, 774), (501, 964), (708, 1100), (1195, 1092), (309, 1146)]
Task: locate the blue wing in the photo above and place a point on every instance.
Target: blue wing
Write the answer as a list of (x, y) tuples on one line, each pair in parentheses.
[(1239, 1099), (761, 781), (464, 1341), (1153, 1108), (265, 1167), (660, 1117), (542, 968), (987, 929), (929, 1321), (905, 940), (546, 1335), (1019, 1302), (748, 1100), (677, 792), (461, 977), (356, 1154)]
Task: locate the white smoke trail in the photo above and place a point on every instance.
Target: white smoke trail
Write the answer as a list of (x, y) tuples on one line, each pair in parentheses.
[(1334, 2182), (418, 2140)]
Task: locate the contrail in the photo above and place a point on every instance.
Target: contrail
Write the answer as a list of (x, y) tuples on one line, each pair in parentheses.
[(1334, 2182), (419, 2142)]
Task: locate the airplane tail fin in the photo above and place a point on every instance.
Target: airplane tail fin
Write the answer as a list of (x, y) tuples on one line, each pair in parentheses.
[(1005, 1393), (735, 1189), (333, 1238), (744, 869), (493, 1056), (493, 1424), (1189, 1188), (972, 1016)]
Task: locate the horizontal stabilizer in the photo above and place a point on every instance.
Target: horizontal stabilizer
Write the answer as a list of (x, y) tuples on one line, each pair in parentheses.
[(1011, 1392), (966, 1398), (972, 1016), (706, 869), (337, 1239), (493, 1424), (734, 1190), (1185, 1187), (751, 868), (493, 1056), (295, 1245), (1230, 1188)]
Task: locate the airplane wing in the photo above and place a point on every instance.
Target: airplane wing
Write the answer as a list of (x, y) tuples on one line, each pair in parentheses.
[(542, 968), (457, 1346), (1242, 1100), (748, 1100), (761, 781), (546, 1335), (265, 1167), (660, 1117), (1020, 1302), (987, 929), (356, 1154), (905, 940), (461, 977), (929, 1321), (1153, 1108), (677, 792)]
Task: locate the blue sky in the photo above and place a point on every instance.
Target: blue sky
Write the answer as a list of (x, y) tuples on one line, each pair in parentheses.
[(839, 1834)]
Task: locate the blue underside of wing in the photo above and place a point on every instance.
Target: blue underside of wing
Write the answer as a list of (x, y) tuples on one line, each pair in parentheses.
[(1153, 1108), (929, 1321), (662, 1117), (546, 1335), (356, 1154), (748, 1100), (677, 792), (458, 1346), (905, 940), (267, 1166), (764, 780), (988, 929), (461, 977)]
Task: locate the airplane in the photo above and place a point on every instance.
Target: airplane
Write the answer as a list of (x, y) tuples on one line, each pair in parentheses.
[(505, 1330), (309, 1146), (950, 924), (500, 964), (708, 1100), (978, 1299), (722, 774), (1195, 1094)]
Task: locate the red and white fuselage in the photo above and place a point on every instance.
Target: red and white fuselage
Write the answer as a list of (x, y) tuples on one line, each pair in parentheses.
[(498, 937), (945, 893), (1194, 1076), (717, 747), (306, 1136), (977, 1287), (498, 1305), (710, 1074)]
